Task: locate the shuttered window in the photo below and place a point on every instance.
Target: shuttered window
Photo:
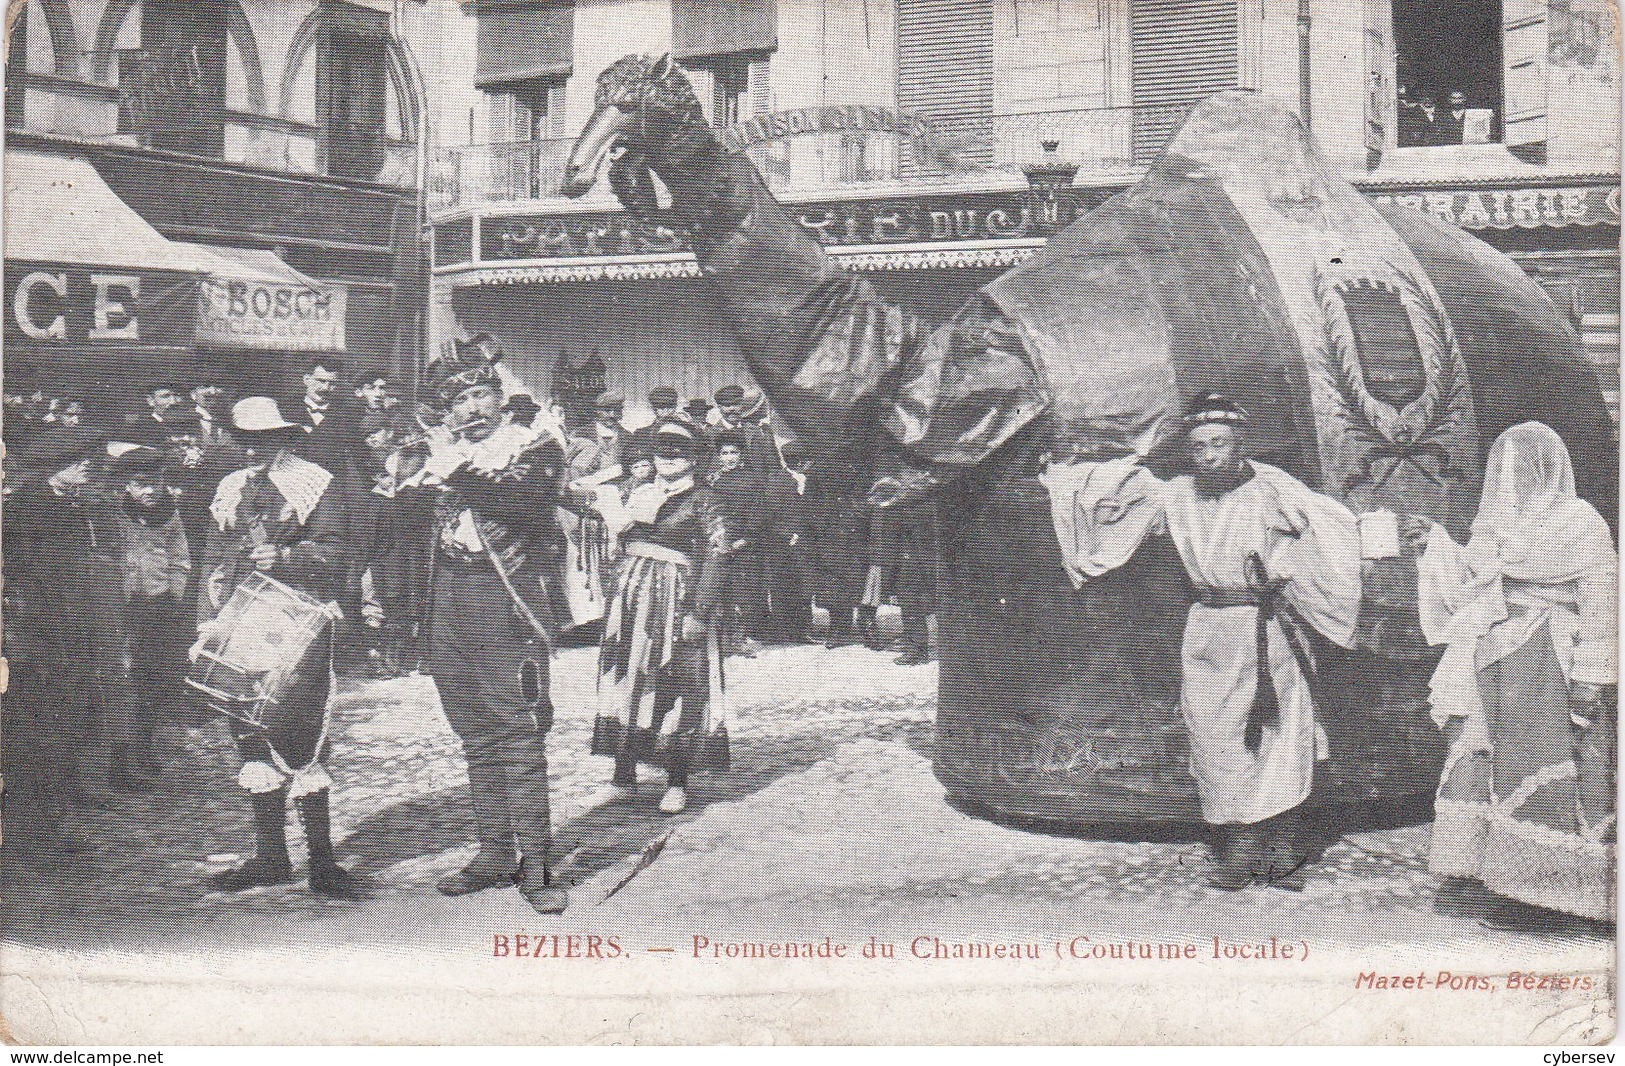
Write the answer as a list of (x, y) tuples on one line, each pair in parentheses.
[(945, 71), (1182, 51)]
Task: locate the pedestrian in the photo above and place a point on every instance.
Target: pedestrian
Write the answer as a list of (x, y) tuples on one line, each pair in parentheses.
[(640, 471), (138, 530), (1269, 560), (495, 599), (837, 530), (1526, 615), (331, 425), (914, 538), (788, 616), (660, 662), (756, 446), (281, 516), (70, 593), (663, 402), (739, 498)]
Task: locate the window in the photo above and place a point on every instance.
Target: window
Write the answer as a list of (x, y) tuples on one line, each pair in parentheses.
[(1448, 63), (526, 119), (730, 89), (172, 90), (1181, 52), (945, 74), (352, 78)]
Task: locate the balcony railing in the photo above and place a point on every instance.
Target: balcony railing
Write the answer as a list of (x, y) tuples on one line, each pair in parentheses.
[(1100, 142)]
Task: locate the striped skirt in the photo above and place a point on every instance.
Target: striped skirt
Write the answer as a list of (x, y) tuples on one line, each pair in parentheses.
[(660, 697)]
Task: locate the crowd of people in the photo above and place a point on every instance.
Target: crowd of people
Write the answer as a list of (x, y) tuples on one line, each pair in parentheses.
[(1428, 119), (125, 542), (471, 537)]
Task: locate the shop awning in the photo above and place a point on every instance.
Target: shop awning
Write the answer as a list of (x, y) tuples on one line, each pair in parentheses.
[(252, 299), (59, 210), (518, 41)]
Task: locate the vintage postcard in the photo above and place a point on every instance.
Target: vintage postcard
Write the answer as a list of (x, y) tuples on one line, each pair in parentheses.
[(822, 521)]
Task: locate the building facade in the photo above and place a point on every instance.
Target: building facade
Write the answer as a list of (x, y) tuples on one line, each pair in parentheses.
[(262, 131), (934, 143)]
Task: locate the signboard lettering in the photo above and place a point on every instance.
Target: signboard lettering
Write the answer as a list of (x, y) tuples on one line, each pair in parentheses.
[(1026, 214), (234, 313), (29, 317), (114, 309), (1513, 208)]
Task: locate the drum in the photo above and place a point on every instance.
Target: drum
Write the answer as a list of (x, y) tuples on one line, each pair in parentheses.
[(254, 647)]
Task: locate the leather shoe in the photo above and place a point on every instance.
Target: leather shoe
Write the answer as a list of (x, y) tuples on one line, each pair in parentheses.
[(913, 656), (255, 873), (485, 871), (543, 896), (1244, 859)]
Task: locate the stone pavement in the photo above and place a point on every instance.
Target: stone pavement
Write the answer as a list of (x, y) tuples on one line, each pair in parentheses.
[(830, 823)]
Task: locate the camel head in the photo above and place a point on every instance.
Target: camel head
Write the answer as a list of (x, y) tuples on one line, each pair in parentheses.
[(641, 103)]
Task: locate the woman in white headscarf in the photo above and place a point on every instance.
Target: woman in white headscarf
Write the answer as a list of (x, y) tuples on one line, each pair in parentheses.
[(1526, 614)]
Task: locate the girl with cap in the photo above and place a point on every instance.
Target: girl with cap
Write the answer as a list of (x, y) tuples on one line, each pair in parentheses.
[(660, 668)]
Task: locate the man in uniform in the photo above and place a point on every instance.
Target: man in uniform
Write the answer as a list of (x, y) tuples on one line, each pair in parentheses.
[(492, 621), (1269, 560)]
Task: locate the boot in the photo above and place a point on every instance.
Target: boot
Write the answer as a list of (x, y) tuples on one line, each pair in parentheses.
[(840, 630), (1287, 850), (270, 865), (326, 876), (497, 864), (1243, 858), (529, 801), (869, 629), (913, 656), (536, 886)]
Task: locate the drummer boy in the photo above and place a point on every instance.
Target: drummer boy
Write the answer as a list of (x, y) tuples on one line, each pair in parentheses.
[(282, 516)]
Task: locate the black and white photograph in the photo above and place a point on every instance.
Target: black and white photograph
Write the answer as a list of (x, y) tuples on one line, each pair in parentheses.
[(855, 522)]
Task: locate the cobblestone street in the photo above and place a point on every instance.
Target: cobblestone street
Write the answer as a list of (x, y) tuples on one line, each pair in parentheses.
[(829, 823)]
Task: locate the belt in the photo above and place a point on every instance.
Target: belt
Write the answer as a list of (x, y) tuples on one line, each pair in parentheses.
[(1214, 596), (659, 553)]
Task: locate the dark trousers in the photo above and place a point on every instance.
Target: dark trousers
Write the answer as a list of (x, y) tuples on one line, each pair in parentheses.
[(784, 577), (494, 688)]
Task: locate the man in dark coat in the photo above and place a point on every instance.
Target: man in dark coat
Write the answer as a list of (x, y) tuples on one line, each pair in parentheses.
[(755, 442), (836, 526), (783, 551), (493, 617), (663, 400), (910, 535)]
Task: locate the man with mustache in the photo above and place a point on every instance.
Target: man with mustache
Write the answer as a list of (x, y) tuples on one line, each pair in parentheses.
[(493, 619)]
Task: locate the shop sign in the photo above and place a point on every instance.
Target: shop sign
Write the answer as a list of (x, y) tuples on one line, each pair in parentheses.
[(59, 304), (234, 313), (848, 118), (914, 220), (1513, 208)]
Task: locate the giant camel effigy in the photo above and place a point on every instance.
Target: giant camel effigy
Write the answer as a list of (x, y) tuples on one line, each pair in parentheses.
[(1378, 350)]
